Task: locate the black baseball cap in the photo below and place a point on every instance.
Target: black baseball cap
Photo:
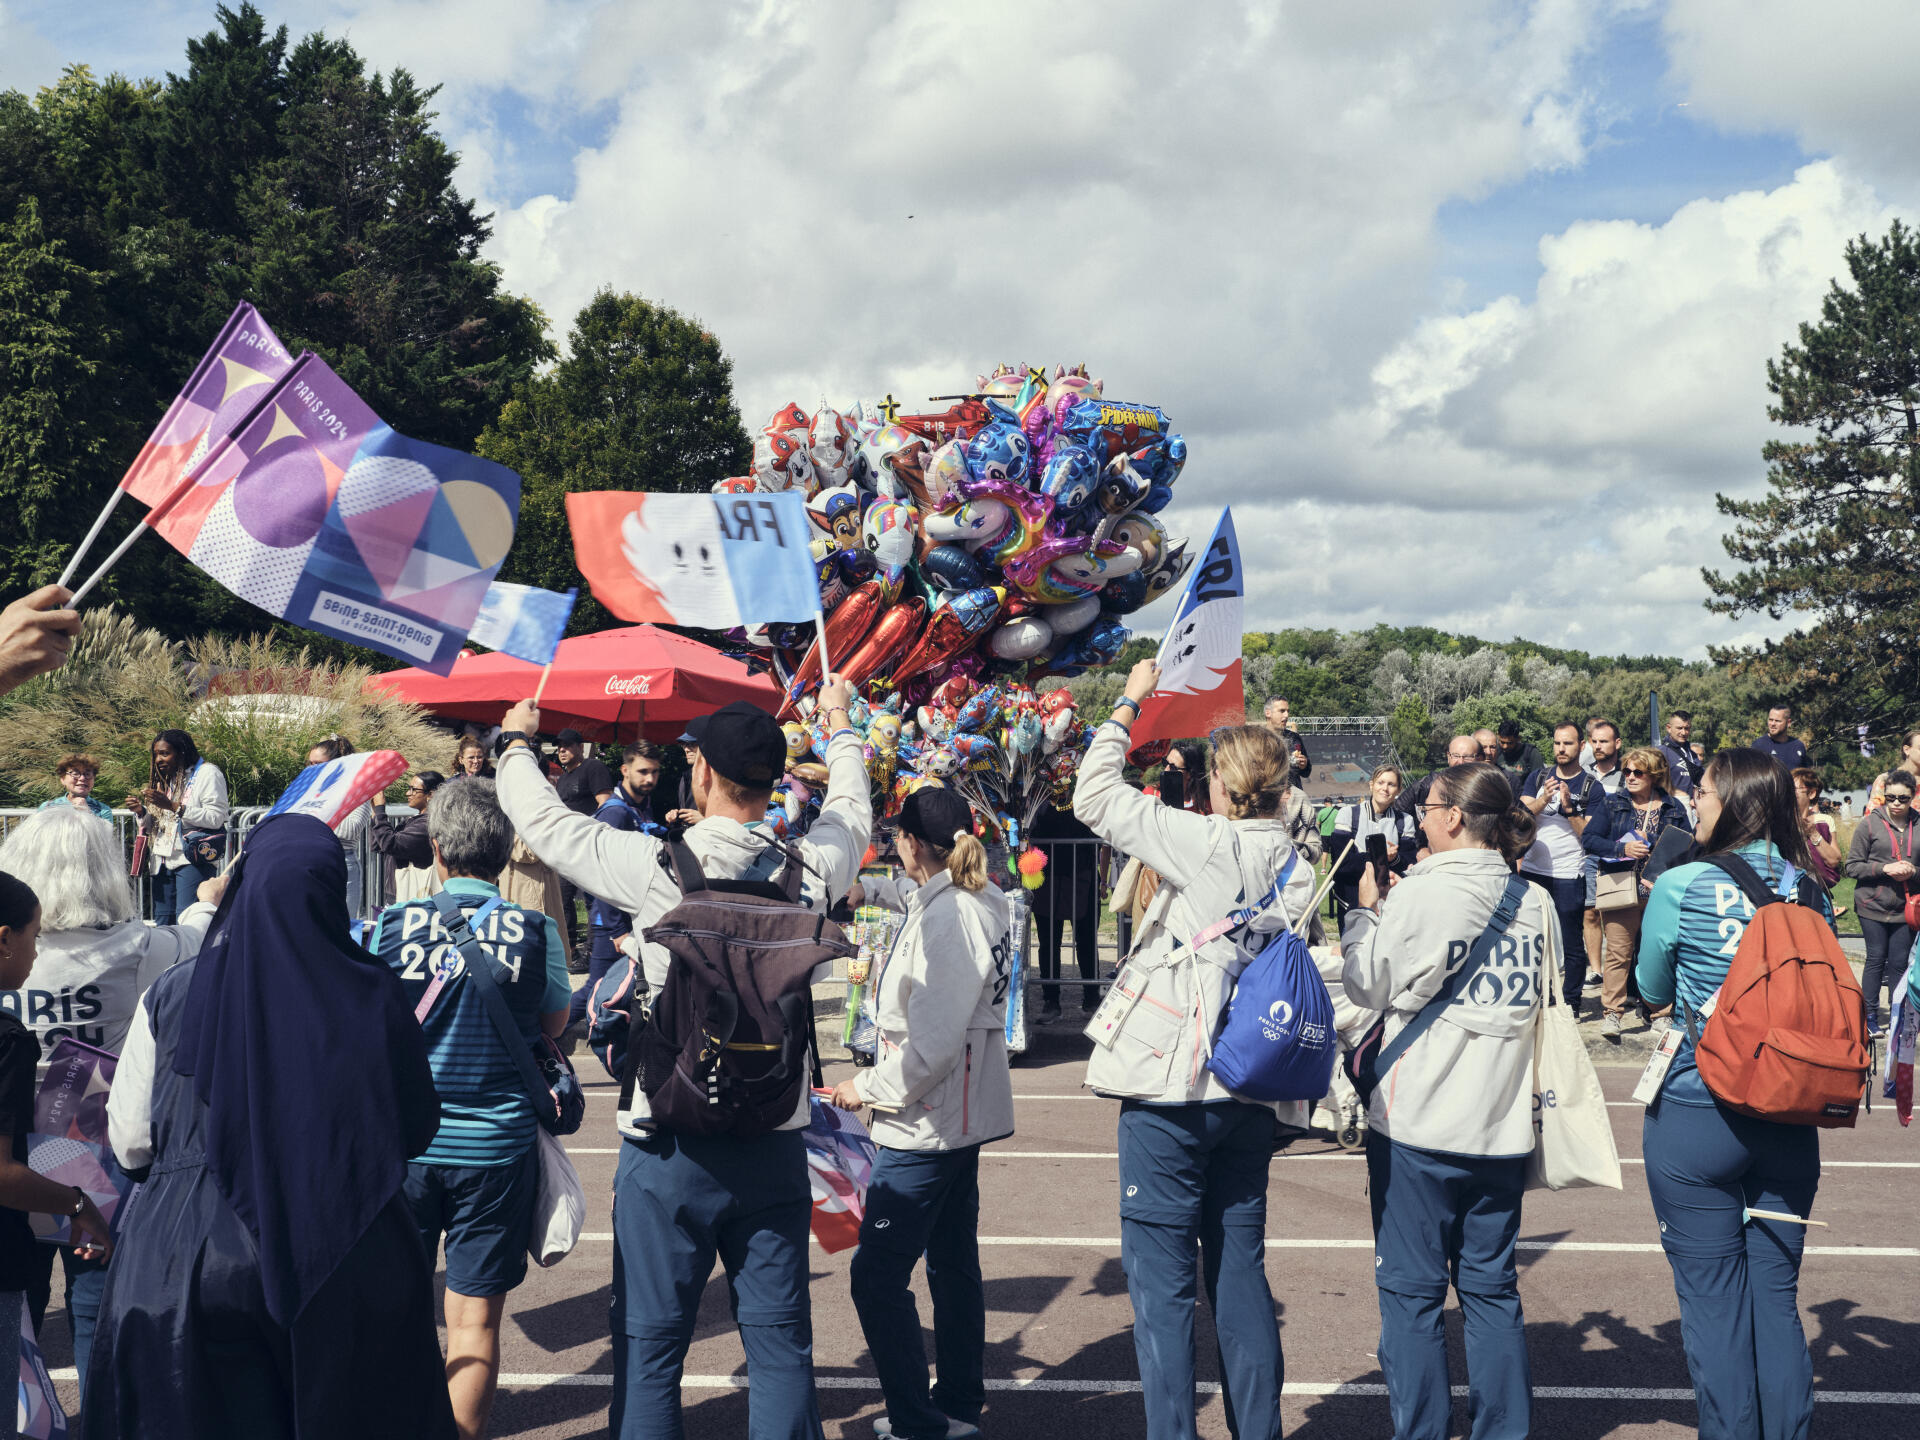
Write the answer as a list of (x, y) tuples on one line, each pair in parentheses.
[(568, 736), (936, 815), (743, 743), (696, 727)]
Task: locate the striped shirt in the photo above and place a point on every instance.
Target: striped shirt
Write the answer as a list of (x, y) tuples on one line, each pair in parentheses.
[(485, 1116)]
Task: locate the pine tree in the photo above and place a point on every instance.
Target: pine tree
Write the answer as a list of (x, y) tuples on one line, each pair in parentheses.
[(1831, 544)]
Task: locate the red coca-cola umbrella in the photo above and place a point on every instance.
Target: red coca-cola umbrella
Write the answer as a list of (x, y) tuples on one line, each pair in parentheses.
[(638, 680)]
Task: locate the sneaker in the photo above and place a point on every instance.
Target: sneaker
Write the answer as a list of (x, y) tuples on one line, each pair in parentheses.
[(1610, 1028), (1659, 1025), (956, 1429), (1876, 1027), (1048, 1015), (1593, 982)]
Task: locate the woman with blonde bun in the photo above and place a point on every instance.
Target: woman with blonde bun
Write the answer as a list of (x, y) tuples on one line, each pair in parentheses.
[(1193, 1156), (940, 1089)]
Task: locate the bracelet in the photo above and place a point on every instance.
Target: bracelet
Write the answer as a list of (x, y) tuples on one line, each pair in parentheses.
[(1127, 700)]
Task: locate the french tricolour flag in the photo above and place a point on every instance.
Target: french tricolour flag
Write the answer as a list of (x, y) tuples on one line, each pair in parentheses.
[(1200, 681), (332, 791), (840, 1156)]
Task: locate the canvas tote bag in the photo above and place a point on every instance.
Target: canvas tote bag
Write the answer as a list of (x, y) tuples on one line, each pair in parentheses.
[(1572, 1139)]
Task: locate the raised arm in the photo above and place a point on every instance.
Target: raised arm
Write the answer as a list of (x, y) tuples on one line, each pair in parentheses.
[(836, 841), (617, 866), (1171, 841)]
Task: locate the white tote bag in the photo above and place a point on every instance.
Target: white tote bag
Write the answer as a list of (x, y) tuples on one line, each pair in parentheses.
[(559, 1206), (1572, 1138)]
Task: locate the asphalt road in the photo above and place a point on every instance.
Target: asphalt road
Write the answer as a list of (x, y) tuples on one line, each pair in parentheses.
[(1603, 1327)]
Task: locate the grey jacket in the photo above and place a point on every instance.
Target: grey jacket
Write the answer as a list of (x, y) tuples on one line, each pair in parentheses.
[(1209, 866), (622, 867), (942, 1080), (1873, 849), (1466, 1086)]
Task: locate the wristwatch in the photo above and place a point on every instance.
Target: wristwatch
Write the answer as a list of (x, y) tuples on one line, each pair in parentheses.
[(507, 737)]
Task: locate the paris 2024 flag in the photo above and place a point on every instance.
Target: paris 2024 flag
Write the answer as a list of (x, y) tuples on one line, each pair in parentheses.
[(320, 513), (1200, 681)]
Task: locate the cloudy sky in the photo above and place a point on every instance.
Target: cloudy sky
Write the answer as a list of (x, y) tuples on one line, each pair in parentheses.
[(1464, 308)]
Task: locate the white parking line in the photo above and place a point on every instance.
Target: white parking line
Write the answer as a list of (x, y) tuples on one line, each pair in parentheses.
[(1305, 1389), (993, 1154)]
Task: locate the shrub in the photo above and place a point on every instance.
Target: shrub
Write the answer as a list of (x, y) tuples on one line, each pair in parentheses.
[(253, 708)]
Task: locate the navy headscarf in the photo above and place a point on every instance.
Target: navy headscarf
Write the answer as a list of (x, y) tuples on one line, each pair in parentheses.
[(308, 1058)]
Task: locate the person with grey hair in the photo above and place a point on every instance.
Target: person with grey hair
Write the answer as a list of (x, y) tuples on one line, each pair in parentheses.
[(475, 1183), (96, 959)]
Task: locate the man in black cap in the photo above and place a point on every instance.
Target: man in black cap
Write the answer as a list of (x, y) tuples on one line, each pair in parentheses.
[(680, 1199), (583, 786)]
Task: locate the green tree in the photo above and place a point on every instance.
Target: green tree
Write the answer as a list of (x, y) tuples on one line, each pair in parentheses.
[(274, 172), (1410, 728), (1830, 543), (49, 323), (642, 401)]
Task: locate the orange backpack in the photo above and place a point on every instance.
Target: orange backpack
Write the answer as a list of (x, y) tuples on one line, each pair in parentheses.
[(1787, 1040)]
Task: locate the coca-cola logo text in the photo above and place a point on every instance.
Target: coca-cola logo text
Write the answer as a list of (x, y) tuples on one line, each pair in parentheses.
[(631, 685)]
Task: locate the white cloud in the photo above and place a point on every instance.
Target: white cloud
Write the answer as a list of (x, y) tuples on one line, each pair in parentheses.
[(27, 59), (1836, 76)]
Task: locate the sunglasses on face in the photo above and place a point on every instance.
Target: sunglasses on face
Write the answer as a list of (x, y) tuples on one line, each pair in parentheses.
[(1899, 797), (1634, 770)]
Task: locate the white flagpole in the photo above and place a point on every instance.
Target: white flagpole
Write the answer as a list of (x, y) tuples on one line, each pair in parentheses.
[(99, 524), (114, 559), (541, 688), (820, 629)]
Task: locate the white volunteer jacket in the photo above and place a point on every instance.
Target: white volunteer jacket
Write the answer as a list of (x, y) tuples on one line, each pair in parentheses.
[(1209, 866), (623, 867), (203, 807), (1466, 1086), (87, 983), (942, 1080)]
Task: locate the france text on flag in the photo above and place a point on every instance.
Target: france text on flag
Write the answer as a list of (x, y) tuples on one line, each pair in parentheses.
[(334, 789), (711, 560), (322, 515), (522, 621), (840, 1156), (245, 360), (1200, 682)]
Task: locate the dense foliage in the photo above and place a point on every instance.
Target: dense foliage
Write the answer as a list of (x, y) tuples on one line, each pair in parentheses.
[(253, 708), (643, 400), (134, 215)]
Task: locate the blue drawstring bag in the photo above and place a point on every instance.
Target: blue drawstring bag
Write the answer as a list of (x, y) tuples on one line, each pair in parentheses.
[(1278, 1041)]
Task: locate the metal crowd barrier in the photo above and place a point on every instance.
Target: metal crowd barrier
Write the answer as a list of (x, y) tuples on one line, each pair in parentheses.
[(1058, 909), (377, 878)]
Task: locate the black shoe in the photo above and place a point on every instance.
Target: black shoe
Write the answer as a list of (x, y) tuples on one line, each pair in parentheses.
[(578, 963), (1048, 1015)]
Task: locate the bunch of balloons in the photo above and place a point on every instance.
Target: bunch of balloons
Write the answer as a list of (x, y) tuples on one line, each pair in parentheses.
[(1002, 538), (1004, 747)]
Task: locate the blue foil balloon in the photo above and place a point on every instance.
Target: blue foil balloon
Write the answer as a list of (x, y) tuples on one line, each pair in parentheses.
[(953, 568), (1070, 478)]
